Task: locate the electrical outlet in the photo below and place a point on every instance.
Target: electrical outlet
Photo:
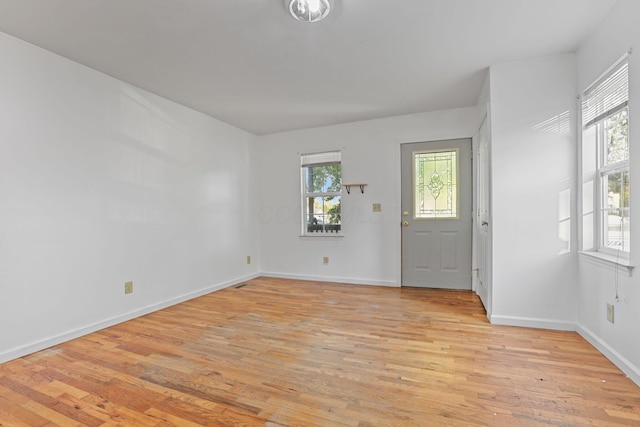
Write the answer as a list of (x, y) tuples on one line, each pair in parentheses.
[(248, 259), (325, 260), (610, 313), (377, 207), (128, 287)]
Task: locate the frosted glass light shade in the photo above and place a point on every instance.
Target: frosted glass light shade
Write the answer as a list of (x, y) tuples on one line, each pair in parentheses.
[(309, 10)]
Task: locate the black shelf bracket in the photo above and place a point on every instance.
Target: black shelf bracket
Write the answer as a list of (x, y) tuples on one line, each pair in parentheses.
[(348, 187)]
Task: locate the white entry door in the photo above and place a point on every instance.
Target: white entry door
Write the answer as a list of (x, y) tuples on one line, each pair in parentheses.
[(436, 214), (483, 248)]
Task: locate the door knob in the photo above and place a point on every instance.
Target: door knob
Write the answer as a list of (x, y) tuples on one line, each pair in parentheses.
[(405, 213), (485, 222), (405, 223)]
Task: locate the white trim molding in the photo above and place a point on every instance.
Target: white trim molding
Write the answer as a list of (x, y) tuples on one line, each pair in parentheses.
[(609, 261), (530, 322), (346, 280), (21, 351), (629, 369)]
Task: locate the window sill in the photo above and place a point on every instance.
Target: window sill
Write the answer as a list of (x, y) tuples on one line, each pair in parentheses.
[(610, 261)]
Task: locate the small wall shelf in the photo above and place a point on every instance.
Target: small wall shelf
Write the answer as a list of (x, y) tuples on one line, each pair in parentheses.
[(348, 187)]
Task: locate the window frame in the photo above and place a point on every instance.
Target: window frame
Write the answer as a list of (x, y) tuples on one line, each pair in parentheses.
[(593, 132), (605, 170), (328, 158)]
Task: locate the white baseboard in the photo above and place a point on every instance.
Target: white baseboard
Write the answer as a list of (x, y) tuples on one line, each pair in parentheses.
[(84, 330), (529, 322), (630, 370), (331, 279), (633, 372)]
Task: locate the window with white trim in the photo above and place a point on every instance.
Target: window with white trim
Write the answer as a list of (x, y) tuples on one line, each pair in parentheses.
[(321, 193), (605, 163)]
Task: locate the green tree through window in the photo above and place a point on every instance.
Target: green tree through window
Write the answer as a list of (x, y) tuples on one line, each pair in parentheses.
[(322, 183)]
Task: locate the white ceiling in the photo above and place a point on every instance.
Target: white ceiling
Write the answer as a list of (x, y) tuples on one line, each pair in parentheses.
[(250, 64)]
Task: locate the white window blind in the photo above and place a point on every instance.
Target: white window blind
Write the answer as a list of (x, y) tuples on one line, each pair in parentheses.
[(606, 96), (321, 159)]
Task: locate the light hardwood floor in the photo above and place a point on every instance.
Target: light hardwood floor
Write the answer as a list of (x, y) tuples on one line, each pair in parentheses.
[(293, 353)]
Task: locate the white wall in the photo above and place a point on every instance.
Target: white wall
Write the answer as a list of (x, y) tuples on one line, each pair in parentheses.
[(619, 341), (101, 183), (369, 252), (533, 117), (484, 99)]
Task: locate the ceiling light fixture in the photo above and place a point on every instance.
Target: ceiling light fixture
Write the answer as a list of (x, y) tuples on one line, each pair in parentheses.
[(309, 10)]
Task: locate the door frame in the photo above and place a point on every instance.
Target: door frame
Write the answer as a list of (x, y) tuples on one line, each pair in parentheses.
[(474, 196), (477, 258), (462, 278)]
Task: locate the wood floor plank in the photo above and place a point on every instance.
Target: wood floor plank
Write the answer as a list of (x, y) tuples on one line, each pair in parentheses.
[(303, 353)]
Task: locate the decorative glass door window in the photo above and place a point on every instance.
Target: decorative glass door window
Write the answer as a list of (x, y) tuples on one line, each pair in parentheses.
[(435, 184)]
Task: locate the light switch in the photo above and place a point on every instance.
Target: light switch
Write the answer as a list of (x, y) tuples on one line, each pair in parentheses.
[(377, 207)]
